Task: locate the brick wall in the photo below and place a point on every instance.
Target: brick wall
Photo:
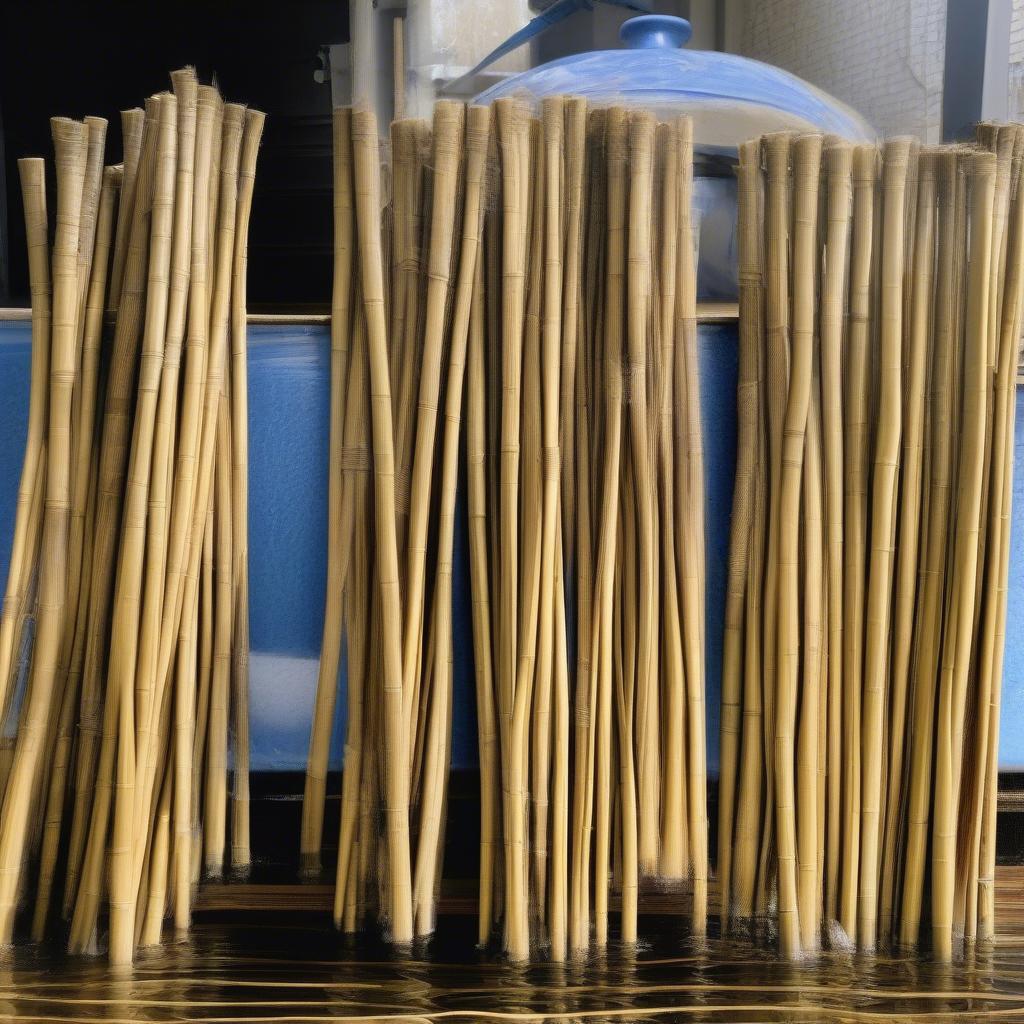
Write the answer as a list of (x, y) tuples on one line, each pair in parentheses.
[(882, 57)]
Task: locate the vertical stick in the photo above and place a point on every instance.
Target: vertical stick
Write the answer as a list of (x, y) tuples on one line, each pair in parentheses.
[(883, 514), (855, 520), (367, 195), (806, 167), (251, 134), (687, 373), (918, 333), (957, 640), (428, 853), (33, 192), (69, 138), (748, 812), (930, 601), (838, 167), (337, 546)]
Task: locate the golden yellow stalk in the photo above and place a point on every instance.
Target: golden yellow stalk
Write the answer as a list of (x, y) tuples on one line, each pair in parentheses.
[(838, 168), (806, 157), (367, 194), (963, 571), (33, 193), (240, 852), (895, 159), (855, 468), (429, 848), (337, 540), (739, 897), (69, 139)]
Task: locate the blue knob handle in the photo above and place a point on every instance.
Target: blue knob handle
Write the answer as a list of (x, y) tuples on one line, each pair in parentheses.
[(651, 31)]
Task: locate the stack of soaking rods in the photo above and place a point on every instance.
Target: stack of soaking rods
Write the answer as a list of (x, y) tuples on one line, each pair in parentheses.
[(879, 321), (537, 275), (123, 645)]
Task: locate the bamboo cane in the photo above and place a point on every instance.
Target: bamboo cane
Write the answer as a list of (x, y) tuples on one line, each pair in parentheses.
[(427, 858), (673, 856), (806, 156), (909, 522), (125, 626), (838, 164), (639, 298), (147, 693), (330, 646), (132, 135), (94, 769), (808, 770), (69, 705), (184, 488), (355, 464), (883, 513), (476, 469), (1003, 313), (70, 153), (367, 195), (553, 127), (240, 852), (732, 708), (931, 600), (686, 369), (575, 174), (217, 742), (854, 521), (745, 837), (956, 645), (616, 142), (33, 191), (777, 328), (586, 676), (1010, 329), (448, 131)]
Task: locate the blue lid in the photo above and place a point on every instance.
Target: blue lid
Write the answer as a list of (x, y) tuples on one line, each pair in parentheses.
[(730, 98)]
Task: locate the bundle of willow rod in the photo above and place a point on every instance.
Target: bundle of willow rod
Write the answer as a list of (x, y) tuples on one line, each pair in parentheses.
[(537, 275), (880, 307), (129, 553)]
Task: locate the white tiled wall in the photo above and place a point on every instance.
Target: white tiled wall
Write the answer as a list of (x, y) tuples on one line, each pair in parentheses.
[(882, 57), (1016, 76)]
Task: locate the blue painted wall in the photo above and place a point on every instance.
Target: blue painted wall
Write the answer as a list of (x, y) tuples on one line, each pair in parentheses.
[(288, 414)]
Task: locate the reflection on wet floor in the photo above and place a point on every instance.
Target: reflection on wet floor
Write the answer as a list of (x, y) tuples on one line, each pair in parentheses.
[(288, 972)]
